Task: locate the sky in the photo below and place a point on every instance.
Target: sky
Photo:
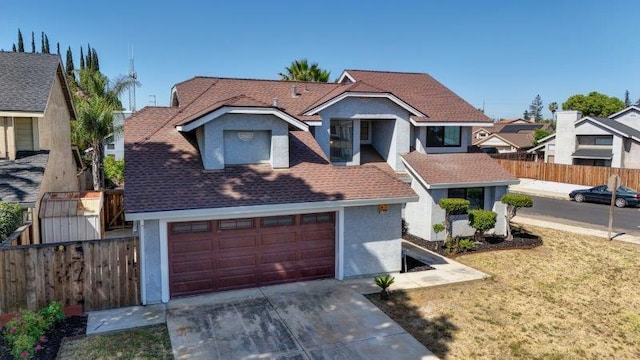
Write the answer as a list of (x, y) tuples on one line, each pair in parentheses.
[(495, 54)]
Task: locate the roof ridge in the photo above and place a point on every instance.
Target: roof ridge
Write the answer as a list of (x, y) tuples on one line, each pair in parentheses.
[(255, 79), (390, 72)]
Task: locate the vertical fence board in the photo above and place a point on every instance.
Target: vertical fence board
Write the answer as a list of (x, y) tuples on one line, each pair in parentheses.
[(100, 274)]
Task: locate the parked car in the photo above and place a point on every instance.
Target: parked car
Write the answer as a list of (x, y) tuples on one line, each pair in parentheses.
[(600, 194)]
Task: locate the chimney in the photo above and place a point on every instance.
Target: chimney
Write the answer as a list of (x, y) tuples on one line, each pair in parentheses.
[(294, 90), (275, 102), (565, 143)]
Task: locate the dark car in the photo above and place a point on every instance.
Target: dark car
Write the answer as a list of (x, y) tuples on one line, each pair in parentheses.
[(600, 194)]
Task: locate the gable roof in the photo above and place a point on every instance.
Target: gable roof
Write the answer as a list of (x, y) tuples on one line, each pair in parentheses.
[(518, 140), (164, 172), (613, 125), (428, 100), (625, 110), (423, 92), (20, 179), (457, 170), (26, 80)]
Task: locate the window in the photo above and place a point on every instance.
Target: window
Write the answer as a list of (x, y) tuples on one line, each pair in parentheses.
[(364, 130), (278, 221), (190, 227), (443, 136), (341, 142), (317, 218), (600, 140), (474, 195), (235, 224)]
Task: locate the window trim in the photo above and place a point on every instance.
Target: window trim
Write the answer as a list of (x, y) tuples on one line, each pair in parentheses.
[(292, 218), (303, 220), (190, 230), (236, 227)]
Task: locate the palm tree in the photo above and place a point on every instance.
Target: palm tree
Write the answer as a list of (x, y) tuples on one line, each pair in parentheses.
[(96, 99), (300, 70), (553, 107)]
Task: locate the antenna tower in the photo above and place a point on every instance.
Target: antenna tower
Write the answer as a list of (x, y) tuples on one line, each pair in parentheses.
[(133, 76)]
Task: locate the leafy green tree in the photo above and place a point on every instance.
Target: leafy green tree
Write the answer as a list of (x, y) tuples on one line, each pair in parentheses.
[(58, 48), (452, 207), (594, 104), (13, 48), (10, 219), (539, 134), (514, 202), (535, 109), (82, 64), (95, 101), (553, 107), (20, 42), (300, 70), (95, 65), (114, 169), (69, 68), (46, 44), (526, 115), (33, 42)]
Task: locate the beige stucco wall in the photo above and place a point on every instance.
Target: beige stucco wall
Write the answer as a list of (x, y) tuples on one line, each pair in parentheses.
[(54, 130), (7, 138), (632, 157)]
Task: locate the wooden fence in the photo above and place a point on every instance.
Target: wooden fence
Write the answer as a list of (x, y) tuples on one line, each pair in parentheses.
[(571, 174), (21, 236), (114, 210), (99, 274)]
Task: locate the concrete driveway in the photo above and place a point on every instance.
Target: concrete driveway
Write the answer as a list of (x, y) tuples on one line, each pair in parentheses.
[(312, 320)]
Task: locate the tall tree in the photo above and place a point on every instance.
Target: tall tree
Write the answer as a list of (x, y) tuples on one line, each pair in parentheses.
[(627, 100), (594, 104), (82, 65), (553, 107), (95, 65), (20, 42), (42, 47), (300, 70), (526, 115), (33, 42), (13, 48), (535, 109), (69, 68), (95, 101), (58, 48), (46, 44), (88, 60)]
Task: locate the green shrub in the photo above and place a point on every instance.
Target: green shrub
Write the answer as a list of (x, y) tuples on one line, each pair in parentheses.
[(25, 333), (438, 228), (452, 207), (514, 202), (10, 219), (466, 245), (114, 169), (482, 220), (384, 281)]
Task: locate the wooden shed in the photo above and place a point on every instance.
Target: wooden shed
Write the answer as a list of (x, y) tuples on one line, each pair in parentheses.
[(71, 216)]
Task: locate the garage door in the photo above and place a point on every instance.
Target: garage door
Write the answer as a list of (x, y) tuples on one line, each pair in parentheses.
[(206, 256)]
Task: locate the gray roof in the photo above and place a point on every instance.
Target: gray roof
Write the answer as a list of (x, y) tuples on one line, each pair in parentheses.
[(26, 80), (593, 154), (515, 128), (618, 126), (20, 179)]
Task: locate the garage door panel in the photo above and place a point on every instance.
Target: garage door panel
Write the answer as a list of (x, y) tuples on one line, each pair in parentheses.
[(249, 252), (237, 261)]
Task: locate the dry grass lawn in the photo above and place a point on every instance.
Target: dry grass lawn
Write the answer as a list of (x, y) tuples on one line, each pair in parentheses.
[(151, 342), (575, 297)]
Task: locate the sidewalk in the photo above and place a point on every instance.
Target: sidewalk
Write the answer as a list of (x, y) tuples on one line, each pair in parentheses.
[(545, 188)]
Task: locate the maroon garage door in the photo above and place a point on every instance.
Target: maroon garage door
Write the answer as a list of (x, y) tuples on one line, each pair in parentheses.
[(206, 256)]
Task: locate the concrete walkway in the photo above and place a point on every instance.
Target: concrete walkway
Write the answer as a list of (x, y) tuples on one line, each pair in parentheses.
[(321, 319), (125, 318)]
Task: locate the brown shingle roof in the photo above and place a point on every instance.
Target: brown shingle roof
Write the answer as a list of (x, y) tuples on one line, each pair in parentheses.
[(164, 172), (458, 169), (424, 93)]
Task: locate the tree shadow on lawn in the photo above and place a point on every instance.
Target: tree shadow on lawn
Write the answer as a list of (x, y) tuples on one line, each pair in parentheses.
[(435, 333)]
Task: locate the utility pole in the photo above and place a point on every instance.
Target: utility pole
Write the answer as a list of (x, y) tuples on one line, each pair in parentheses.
[(133, 76)]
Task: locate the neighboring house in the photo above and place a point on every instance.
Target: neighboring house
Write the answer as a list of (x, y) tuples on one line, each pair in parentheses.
[(35, 134), (508, 135), (242, 182), (114, 143), (594, 141)]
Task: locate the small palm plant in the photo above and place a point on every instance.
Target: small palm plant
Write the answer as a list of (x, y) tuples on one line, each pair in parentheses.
[(384, 281)]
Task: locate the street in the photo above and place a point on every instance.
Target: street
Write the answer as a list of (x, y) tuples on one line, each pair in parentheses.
[(626, 220)]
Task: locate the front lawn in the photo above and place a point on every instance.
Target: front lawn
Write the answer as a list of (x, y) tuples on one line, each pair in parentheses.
[(575, 297), (151, 342)]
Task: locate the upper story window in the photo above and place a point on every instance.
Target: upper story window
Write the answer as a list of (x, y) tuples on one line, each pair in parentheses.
[(600, 140), (443, 136), (341, 142)]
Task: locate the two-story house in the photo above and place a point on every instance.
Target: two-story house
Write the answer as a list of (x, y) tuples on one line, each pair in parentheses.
[(243, 182), (35, 134), (595, 141)]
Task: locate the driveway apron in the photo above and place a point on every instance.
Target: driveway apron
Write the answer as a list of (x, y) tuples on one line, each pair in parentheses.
[(310, 320)]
